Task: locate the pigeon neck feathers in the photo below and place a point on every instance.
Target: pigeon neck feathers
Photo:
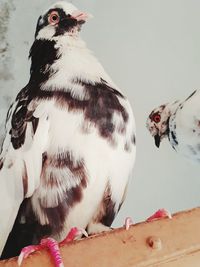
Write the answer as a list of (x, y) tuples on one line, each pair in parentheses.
[(59, 61), (42, 53)]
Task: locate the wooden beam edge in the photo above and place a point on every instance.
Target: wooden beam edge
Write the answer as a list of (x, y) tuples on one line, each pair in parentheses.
[(172, 240)]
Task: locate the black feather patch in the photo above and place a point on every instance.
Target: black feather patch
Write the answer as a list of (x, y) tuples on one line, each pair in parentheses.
[(106, 210), (173, 137), (25, 232), (99, 108), (42, 54), (20, 117)]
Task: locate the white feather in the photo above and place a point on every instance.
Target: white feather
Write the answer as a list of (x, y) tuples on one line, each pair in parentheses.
[(187, 120), (60, 129), (16, 164)]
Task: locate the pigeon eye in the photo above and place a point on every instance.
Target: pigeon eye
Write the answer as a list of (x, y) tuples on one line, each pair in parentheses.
[(54, 18), (156, 118)]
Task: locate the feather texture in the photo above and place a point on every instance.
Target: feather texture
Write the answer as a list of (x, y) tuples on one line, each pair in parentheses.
[(180, 123), (88, 150)]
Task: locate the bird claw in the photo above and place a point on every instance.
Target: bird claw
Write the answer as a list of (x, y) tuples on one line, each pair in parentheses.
[(73, 234), (83, 232), (161, 213), (52, 245), (49, 243), (26, 251), (128, 223)]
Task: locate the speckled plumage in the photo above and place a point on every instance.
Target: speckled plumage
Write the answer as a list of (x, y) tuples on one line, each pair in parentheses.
[(89, 149), (180, 122)]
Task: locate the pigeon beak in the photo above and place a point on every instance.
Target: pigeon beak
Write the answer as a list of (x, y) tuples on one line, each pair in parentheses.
[(80, 16), (157, 140)]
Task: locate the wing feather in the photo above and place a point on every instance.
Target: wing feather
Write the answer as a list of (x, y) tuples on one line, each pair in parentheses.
[(25, 141)]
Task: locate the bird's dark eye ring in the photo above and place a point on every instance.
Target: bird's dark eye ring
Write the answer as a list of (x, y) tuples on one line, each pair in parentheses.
[(156, 118), (54, 18)]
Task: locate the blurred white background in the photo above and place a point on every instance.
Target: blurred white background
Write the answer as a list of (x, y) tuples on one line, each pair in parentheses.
[(151, 49)]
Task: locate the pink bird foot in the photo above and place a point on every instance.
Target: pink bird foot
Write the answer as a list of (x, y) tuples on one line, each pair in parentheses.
[(162, 213), (52, 245), (128, 223), (73, 234)]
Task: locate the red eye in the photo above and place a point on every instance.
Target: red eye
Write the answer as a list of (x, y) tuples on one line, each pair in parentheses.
[(156, 118), (54, 18)]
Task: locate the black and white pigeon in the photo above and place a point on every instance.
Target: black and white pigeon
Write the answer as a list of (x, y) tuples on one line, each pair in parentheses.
[(180, 123), (71, 133)]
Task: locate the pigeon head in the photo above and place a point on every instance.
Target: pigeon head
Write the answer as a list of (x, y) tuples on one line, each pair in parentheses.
[(60, 19), (157, 123)]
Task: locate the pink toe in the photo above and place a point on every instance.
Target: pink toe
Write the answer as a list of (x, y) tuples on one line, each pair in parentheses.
[(128, 222), (161, 213), (53, 247), (26, 251), (73, 234)]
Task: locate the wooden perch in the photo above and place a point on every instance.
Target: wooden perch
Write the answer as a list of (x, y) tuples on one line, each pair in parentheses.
[(167, 243)]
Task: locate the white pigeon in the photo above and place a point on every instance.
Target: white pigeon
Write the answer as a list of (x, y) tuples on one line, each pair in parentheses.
[(180, 123), (71, 135)]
